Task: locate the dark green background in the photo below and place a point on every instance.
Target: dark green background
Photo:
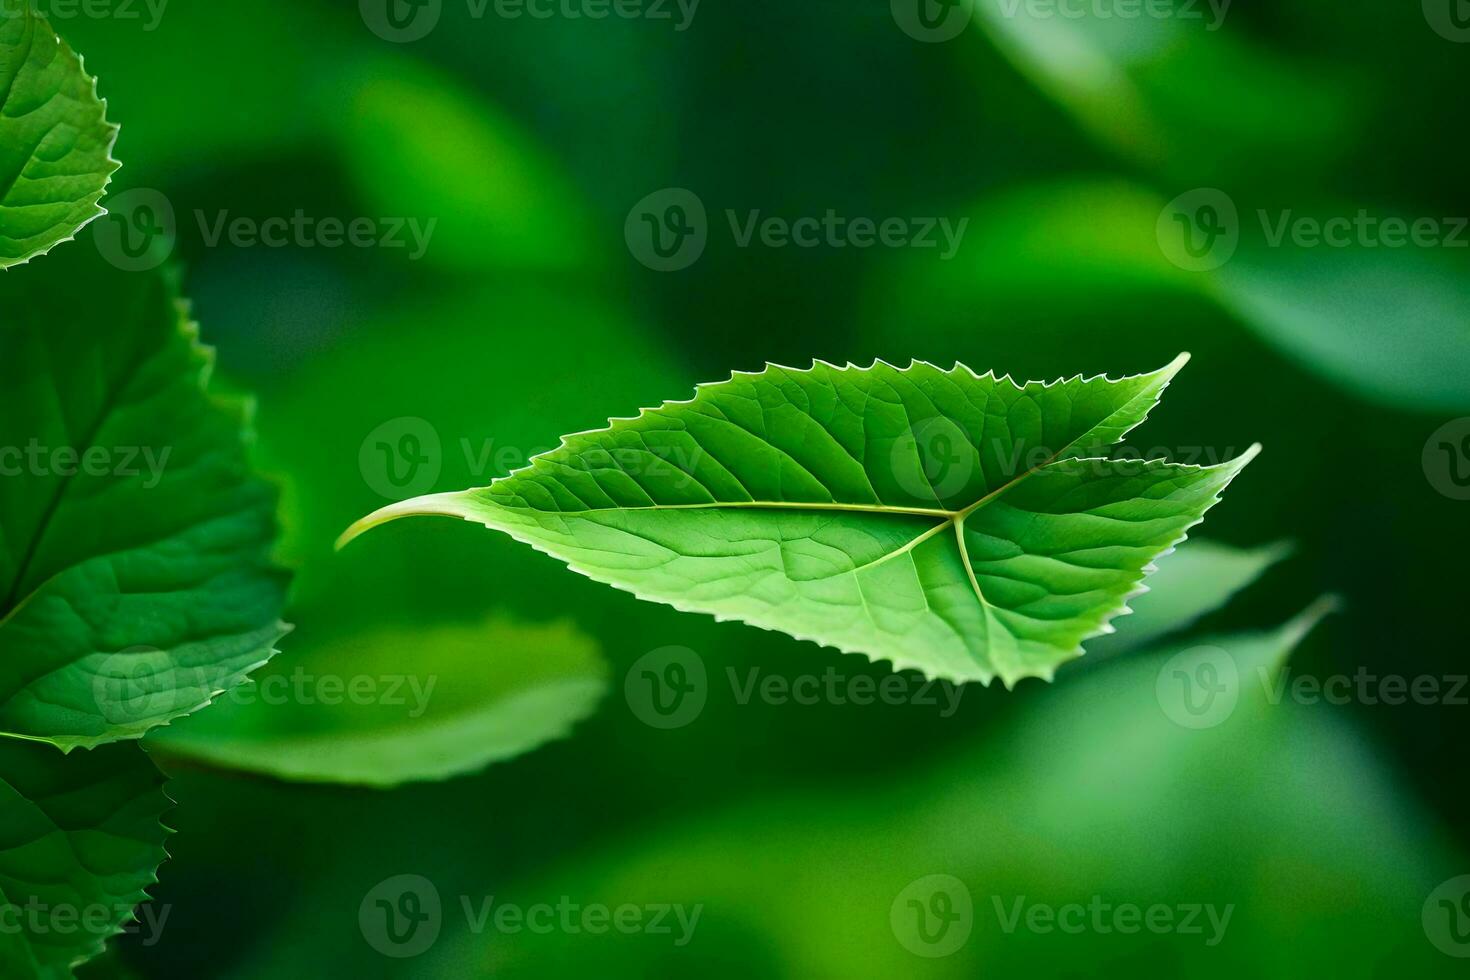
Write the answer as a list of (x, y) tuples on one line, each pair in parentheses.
[(529, 141)]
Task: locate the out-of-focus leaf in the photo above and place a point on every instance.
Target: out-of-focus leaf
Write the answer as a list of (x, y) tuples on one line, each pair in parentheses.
[(389, 706), (1189, 583), (135, 573), (1271, 812), (80, 840), (422, 429), (1391, 325), (55, 140), (1180, 92), (957, 524), (419, 146)]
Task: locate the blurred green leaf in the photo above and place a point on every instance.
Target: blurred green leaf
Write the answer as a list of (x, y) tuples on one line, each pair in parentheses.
[(55, 140), (1389, 324), (80, 840), (418, 145), (135, 573), (1273, 811), (1191, 582), (1179, 92), (779, 498), (373, 711), (380, 609)]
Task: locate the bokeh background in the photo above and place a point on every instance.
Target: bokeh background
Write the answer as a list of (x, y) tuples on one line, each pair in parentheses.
[(1080, 149)]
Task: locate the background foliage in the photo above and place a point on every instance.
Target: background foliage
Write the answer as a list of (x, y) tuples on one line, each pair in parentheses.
[(529, 141)]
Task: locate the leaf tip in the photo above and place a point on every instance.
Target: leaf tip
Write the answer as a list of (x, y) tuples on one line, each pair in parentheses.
[(428, 505)]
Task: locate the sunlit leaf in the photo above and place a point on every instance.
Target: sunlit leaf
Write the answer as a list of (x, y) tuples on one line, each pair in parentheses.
[(55, 140), (942, 520)]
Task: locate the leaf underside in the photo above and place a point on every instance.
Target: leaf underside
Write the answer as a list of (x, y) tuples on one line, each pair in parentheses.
[(963, 525), (135, 572), (55, 141)]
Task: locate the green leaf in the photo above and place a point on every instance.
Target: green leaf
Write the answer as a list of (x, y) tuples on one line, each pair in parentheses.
[(135, 573), (55, 140), (80, 840), (1189, 584), (957, 524), (391, 706)]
